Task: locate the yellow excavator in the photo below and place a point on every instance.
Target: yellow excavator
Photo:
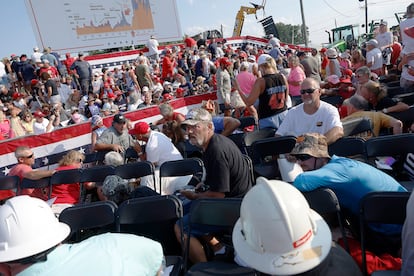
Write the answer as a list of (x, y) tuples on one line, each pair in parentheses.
[(243, 11)]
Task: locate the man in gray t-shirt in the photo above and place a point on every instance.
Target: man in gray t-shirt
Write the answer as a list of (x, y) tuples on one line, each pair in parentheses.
[(83, 73)]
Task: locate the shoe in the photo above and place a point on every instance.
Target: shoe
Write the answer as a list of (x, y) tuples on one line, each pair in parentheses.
[(227, 256)]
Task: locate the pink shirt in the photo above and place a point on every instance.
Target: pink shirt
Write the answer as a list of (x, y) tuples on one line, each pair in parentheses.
[(20, 170), (246, 81), (296, 74)]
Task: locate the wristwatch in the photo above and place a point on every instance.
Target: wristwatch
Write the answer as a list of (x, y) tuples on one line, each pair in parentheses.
[(385, 110)]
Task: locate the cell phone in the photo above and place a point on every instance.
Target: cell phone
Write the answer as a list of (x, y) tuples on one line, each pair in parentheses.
[(203, 188)]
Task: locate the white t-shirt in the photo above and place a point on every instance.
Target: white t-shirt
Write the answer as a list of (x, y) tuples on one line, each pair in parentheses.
[(374, 56), (297, 122), (384, 39), (152, 46), (39, 128), (408, 42)]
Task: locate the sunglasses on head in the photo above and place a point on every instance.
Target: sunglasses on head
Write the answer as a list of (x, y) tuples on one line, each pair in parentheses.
[(303, 157), (28, 157), (307, 91)]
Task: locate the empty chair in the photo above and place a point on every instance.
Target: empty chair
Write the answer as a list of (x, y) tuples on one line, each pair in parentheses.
[(267, 151), (396, 146), (253, 136), (384, 208), (130, 155), (351, 147), (153, 217), (95, 217), (359, 126), (184, 167), (95, 174)]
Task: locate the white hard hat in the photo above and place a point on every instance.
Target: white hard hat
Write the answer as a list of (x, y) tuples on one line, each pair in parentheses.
[(277, 232), (28, 227)]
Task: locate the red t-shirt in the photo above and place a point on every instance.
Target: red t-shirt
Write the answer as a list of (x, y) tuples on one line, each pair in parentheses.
[(20, 170), (66, 193)]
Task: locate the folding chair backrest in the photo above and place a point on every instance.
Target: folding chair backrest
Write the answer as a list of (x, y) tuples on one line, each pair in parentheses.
[(27, 183), (187, 166), (357, 126), (98, 217), (383, 208), (246, 122), (153, 217), (96, 173), (66, 177), (220, 212), (130, 154), (390, 145), (250, 137), (352, 147), (325, 202), (135, 170), (9, 182)]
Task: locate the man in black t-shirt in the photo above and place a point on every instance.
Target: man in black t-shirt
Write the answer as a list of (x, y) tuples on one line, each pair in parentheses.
[(227, 173)]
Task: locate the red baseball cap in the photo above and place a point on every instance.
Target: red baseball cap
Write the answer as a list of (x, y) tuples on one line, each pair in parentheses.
[(140, 128), (38, 114)]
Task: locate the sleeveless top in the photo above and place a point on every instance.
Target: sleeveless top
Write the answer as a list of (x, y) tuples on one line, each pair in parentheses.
[(273, 99)]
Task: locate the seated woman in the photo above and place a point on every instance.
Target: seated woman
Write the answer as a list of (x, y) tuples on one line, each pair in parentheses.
[(68, 194)]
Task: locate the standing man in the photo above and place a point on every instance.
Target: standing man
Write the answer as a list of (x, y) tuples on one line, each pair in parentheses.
[(312, 115), (310, 66), (83, 73), (227, 171), (374, 57), (152, 46), (143, 73), (25, 160)]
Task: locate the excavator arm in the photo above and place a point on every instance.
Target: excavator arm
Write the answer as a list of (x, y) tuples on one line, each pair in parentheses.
[(238, 24)]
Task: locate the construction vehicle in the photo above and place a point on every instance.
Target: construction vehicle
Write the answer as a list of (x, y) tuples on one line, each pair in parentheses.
[(243, 11), (344, 37)]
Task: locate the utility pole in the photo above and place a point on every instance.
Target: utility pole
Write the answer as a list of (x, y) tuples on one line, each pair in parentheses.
[(366, 15), (305, 35)]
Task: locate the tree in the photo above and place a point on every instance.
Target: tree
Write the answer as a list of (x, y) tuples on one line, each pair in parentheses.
[(290, 33)]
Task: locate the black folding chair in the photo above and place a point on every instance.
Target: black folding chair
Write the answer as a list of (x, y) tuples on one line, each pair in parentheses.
[(325, 202), (357, 127), (89, 219), (246, 122), (351, 147), (250, 137), (187, 166), (9, 182), (226, 212), (267, 151), (153, 217), (136, 170), (396, 146), (380, 207), (43, 183)]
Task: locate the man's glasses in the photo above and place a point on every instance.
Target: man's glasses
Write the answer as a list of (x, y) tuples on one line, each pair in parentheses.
[(303, 157), (28, 157), (308, 91)]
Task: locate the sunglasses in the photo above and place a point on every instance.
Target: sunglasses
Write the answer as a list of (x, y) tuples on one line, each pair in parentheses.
[(28, 157), (308, 91), (303, 157)]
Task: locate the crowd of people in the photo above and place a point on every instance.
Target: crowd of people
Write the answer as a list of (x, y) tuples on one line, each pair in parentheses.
[(307, 95)]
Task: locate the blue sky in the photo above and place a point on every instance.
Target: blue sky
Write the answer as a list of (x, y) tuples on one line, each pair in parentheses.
[(200, 15)]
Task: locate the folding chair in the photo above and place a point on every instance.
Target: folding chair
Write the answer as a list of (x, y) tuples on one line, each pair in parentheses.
[(325, 202), (135, 170), (246, 122), (267, 151), (153, 217), (357, 126), (96, 217), (183, 167), (396, 146), (220, 212), (95, 174), (9, 182), (380, 207), (352, 147), (42, 183), (253, 136)]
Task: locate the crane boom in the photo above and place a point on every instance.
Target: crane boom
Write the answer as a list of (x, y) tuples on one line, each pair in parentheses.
[(238, 24)]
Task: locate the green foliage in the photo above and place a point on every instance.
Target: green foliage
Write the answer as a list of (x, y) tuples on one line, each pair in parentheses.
[(288, 31)]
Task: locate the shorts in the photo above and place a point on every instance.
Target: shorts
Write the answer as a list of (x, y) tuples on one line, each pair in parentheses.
[(199, 230)]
